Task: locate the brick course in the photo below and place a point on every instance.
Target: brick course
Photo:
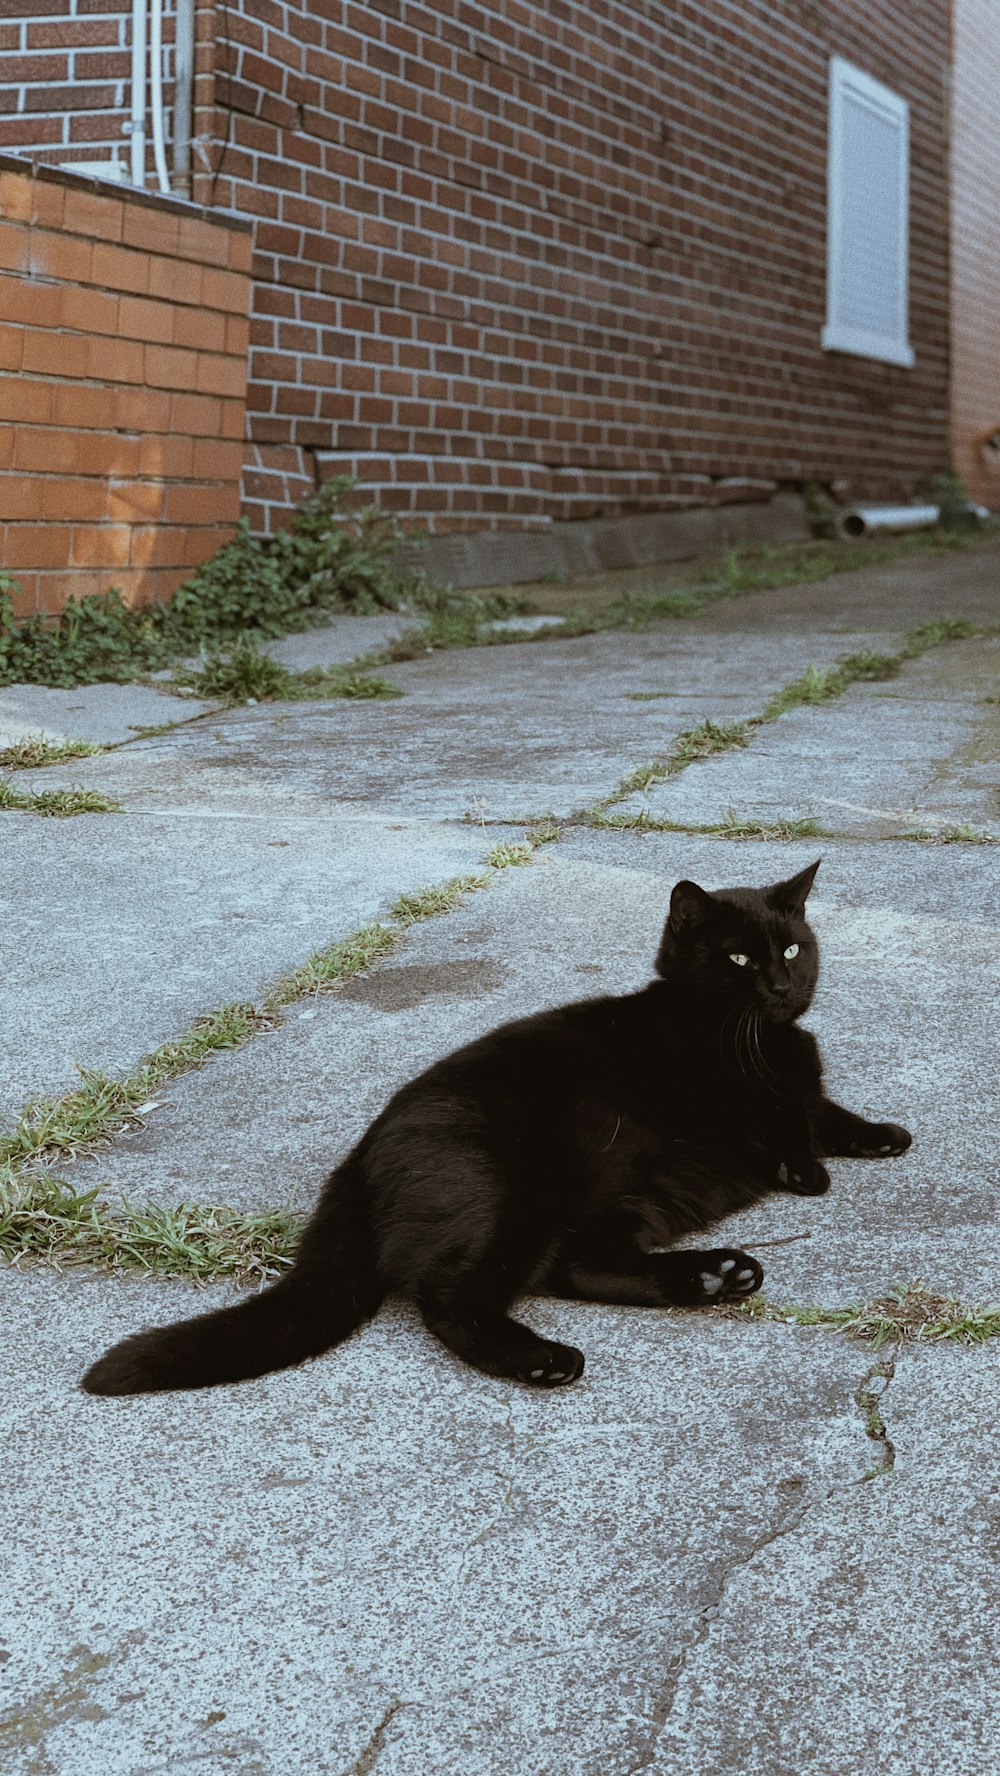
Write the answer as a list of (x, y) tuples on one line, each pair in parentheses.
[(119, 472)]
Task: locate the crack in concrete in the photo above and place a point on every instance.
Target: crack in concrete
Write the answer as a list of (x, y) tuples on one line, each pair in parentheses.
[(365, 1760), (706, 1616), (871, 1391), (867, 1397)]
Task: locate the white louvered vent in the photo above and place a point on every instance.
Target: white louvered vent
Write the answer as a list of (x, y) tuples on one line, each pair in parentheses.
[(867, 218)]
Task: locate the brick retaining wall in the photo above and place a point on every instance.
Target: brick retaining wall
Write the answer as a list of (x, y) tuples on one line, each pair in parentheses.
[(123, 344)]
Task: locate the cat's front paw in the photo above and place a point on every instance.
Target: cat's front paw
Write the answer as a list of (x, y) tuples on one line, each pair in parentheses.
[(714, 1277), (802, 1177), (881, 1140)]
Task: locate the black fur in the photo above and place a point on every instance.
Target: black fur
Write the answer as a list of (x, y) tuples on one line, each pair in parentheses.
[(560, 1153)]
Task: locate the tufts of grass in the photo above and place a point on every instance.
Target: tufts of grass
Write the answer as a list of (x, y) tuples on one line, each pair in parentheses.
[(336, 962), (34, 750), (909, 1313), (90, 1118), (511, 856), (152, 728), (950, 835), (60, 803), (427, 903), (731, 826), (244, 674), (822, 684), (44, 1220)]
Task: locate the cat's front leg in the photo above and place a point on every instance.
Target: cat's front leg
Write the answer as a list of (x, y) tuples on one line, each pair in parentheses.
[(661, 1279), (839, 1132), (792, 1160)]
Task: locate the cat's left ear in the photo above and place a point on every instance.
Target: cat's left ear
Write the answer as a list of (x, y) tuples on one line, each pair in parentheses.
[(790, 896)]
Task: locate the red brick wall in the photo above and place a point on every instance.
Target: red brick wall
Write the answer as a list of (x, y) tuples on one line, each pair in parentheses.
[(123, 344), (523, 261), (975, 248), (537, 259), (65, 79)]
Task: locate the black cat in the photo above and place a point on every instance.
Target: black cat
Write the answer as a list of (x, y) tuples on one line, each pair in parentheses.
[(560, 1153)]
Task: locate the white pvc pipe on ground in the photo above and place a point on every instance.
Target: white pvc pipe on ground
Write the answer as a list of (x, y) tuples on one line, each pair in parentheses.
[(862, 521)]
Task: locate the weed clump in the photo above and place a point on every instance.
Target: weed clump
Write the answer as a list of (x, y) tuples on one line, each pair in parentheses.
[(335, 557)]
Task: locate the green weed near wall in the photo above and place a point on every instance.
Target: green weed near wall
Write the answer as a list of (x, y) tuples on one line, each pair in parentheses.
[(335, 557)]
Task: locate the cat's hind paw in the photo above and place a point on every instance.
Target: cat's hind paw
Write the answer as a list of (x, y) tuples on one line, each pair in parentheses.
[(550, 1365)]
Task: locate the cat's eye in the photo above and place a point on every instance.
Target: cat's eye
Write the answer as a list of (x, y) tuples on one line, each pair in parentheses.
[(740, 960), (792, 950)]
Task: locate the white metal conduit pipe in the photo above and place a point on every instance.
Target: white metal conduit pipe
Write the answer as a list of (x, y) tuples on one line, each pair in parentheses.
[(136, 126), (156, 92)]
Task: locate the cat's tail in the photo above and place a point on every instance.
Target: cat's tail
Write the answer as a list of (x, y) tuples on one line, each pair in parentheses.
[(329, 1292)]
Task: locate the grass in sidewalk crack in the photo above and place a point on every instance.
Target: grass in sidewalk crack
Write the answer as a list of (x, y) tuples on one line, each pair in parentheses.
[(60, 803), (909, 1313), (731, 826), (35, 750), (950, 835), (44, 1220)]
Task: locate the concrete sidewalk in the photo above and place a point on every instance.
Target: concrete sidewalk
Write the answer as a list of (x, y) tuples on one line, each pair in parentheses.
[(732, 1545)]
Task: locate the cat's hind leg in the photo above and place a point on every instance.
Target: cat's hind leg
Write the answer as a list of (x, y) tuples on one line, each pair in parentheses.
[(482, 1333), (842, 1134)]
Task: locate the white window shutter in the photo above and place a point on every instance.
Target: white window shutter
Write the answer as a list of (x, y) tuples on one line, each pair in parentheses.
[(867, 218)]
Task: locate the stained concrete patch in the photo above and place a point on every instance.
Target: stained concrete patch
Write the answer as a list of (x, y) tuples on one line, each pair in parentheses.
[(905, 1015), (106, 713), (508, 731), (118, 933), (257, 1574)]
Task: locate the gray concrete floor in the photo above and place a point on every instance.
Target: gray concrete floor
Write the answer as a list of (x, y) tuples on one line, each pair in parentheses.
[(704, 1555)]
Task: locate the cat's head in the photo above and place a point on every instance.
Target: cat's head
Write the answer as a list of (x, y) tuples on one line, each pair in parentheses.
[(744, 946)]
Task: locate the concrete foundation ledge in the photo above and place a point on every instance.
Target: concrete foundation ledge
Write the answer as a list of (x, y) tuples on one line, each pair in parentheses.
[(493, 558)]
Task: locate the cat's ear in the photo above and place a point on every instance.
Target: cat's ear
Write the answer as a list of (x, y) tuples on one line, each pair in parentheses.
[(790, 896), (688, 906)]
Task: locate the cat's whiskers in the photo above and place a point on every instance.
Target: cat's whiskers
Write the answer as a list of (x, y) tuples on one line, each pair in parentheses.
[(766, 1072)]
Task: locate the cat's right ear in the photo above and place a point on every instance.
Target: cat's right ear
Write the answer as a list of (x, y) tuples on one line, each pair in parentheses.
[(688, 905)]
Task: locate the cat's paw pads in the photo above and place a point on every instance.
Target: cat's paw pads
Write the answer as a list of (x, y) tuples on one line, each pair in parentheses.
[(728, 1276), (811, 1179), (552, 1365), (885, 1141)]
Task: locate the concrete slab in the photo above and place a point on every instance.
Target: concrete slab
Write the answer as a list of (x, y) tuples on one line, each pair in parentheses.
[(887, 1600), (905, 1014), (105, 713), (385, 1552), (117, 933), (510, 730), (920, 751), (340, 641), (897, 596)]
